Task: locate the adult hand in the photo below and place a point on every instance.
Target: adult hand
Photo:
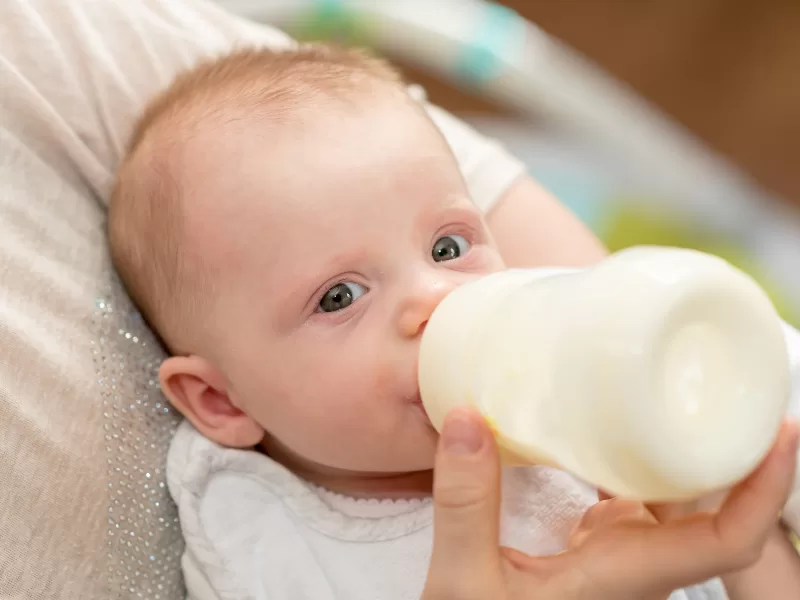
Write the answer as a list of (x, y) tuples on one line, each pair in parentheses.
[(618, 550)]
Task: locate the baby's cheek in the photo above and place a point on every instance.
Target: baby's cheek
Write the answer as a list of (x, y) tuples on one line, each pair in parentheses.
[(343, 385), (389, 379), (383, 378)]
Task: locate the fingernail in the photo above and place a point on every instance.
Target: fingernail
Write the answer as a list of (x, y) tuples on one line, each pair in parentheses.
[(462, 434)]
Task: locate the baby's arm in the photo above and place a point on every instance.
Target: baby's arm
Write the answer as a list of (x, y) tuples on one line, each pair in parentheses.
[(532, 229), (775, 576)]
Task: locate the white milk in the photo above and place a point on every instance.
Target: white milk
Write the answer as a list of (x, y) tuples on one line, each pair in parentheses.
[(658, 374)]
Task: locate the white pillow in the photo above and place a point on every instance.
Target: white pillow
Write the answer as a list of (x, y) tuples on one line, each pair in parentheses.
[(83, 508)]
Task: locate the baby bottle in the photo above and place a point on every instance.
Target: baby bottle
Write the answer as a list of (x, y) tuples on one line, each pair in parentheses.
[(659, 374)]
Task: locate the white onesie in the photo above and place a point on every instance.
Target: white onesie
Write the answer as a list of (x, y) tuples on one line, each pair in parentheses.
[(254, 530)]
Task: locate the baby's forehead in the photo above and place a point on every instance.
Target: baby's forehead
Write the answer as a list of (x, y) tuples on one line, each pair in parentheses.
[(247, 175), (234, 147)]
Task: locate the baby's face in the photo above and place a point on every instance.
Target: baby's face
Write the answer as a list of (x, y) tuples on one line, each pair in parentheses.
[(336, 249)]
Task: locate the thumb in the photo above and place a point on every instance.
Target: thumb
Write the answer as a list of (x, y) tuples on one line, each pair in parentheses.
[(466, 495)]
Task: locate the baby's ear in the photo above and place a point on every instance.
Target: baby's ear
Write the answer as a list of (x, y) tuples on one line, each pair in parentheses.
[(197, 389)]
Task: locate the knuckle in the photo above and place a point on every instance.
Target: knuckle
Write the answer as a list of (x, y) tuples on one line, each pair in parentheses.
[(745, 555), (598, 509), (630, 510), (629, 506), (460, 495), (577, 537), (612, 509), (592, 516)]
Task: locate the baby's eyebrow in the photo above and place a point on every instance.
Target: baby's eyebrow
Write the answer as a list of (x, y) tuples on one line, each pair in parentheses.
[(459, 207), (457, 199)]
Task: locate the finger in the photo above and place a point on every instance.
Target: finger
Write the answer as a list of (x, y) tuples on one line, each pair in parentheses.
[(753, 507), (609, 513), (671, 511), (613, 511), (639, 557), (466, 497), (703, 546), (603, 495)]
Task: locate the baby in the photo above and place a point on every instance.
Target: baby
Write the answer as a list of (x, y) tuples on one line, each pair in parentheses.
[(287, 222)]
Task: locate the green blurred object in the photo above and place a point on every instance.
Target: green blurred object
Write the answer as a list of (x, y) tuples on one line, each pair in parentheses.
[(625, 224), (331, 21)]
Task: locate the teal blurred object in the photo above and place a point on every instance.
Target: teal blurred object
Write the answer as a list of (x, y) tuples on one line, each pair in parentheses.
[(500, 31), (582, 196), (618, 148)]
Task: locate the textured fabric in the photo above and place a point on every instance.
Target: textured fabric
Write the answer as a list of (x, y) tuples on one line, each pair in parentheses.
[(83, 510)]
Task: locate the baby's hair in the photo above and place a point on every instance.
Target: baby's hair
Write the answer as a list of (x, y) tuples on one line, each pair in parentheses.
[(169, 285)]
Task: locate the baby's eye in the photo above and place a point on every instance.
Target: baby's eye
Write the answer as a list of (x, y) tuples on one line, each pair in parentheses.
[(341, 296), (449, 247)]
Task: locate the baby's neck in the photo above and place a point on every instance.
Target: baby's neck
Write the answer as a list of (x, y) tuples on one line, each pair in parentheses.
[(393, 486)]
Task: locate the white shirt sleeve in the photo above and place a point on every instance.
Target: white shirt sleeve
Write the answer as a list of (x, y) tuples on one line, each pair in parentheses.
[(488, 168)]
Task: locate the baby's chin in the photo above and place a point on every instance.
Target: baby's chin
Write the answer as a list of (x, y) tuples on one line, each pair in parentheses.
[(390, 456), (410, 448), (388, 461)]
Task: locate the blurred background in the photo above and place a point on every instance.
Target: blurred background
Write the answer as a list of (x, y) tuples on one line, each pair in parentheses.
[(656, 121)]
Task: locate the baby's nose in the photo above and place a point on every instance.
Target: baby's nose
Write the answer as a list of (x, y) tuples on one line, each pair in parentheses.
[(418, 306)]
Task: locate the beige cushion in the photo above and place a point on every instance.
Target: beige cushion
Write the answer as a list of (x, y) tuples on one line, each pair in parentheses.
[(83, 510)]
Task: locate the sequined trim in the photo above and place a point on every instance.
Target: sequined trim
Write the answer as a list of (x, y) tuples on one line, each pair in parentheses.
[(144, 539)]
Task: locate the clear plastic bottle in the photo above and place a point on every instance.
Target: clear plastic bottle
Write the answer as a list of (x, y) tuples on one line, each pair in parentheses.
[(659, 374)]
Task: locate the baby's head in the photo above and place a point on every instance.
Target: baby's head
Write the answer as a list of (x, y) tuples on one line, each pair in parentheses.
[(287, 222)]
